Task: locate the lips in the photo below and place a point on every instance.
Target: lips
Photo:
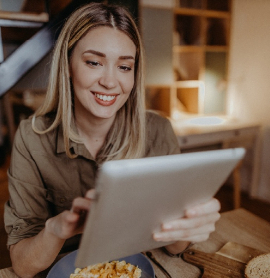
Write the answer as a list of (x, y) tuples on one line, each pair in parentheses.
[(105, 100)]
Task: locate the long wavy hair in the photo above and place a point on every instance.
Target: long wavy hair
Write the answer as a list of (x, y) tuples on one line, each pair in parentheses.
[(126, 137)]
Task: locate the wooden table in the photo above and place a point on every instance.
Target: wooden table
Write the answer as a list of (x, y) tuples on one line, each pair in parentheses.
[(238, 226)]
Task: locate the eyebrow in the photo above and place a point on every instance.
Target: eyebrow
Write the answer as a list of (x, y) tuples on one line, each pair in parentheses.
[(100, 54)]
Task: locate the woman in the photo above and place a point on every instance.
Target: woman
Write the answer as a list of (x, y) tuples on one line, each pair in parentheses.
[(93, 112)]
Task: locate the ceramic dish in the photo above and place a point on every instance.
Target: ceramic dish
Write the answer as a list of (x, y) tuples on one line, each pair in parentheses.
[(64, 267)]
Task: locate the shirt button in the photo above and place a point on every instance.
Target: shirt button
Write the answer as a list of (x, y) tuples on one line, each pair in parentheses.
[(62, 200)]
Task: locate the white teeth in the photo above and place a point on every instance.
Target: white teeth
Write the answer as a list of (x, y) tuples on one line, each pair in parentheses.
[(105, 98)]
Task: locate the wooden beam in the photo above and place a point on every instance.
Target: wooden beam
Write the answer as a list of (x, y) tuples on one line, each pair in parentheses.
[(23, 59), (24, 16)]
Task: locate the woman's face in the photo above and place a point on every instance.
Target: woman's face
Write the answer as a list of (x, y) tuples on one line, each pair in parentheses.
[(102, 73)]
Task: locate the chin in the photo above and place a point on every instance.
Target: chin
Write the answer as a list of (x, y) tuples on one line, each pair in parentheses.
[(105, 115)]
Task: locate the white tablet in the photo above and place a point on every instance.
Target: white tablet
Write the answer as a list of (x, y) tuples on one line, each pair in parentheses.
[(135, 196)]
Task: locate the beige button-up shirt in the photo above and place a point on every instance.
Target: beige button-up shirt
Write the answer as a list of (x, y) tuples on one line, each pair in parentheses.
[(43, 181)]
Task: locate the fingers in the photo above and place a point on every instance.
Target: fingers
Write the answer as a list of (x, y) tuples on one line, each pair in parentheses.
[(70, 223), (90, 194), (82, 205), (188, 229), (63, 225), (191, 223), (206, 208), (69, 219), (197, 225), (197, 234)]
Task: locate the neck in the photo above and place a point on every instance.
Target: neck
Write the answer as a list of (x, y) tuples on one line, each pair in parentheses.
[(93, 132), (94, 128)]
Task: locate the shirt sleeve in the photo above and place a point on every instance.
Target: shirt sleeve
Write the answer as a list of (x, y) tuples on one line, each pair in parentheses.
[(26, 210)]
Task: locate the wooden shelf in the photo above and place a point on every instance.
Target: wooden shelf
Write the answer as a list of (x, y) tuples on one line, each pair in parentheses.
[(216, 14), (188, 48), (199, 12), (202, 48), (216, 48), (23, 16), (187, 11)]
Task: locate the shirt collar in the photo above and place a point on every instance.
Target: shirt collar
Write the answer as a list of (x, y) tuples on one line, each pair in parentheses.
[(76, 148)]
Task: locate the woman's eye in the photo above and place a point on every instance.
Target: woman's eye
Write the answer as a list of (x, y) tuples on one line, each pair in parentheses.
[(93, 63), (125, 68)]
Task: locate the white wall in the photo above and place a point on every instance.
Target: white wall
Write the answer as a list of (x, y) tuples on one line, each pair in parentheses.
[(249, 74)]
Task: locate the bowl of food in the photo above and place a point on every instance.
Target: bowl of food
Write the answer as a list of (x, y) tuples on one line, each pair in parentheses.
[(134, 266)]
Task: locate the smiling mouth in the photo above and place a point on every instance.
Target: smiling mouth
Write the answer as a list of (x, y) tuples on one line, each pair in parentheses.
[(105, 100), (104, 97)]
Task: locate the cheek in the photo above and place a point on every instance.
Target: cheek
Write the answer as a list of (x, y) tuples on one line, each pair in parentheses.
[(128, 84), (81, 78)]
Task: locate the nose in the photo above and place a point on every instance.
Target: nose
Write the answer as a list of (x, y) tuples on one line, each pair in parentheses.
[(108, 78)]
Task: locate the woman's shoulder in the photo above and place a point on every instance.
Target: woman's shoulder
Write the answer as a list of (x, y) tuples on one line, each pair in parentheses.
[(27, 136), (156, 121), (158, 126), (153, 117), (26, 125), (161, 139)]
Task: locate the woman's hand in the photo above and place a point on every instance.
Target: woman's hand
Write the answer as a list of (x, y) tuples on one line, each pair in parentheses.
[(70, 223), (48, 242), (197, 224)]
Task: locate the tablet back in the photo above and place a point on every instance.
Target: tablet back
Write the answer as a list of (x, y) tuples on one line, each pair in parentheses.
[(135, 196)]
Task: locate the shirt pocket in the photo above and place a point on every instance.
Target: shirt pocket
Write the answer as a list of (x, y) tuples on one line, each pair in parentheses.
[(59, 200)]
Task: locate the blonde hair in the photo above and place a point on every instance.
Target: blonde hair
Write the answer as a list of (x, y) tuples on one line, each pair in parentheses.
[(126, 138)]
